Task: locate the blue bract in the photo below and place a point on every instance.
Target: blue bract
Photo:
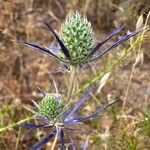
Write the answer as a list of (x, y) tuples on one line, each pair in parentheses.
[(47, 112), (76, 44)]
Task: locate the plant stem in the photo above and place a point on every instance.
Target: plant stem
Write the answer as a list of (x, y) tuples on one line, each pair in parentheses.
[(54, 143), (18, 139), (71, 84), (15, 124)]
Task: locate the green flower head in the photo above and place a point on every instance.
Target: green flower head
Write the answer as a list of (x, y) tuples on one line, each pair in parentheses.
[(77, 35), (49, 107)]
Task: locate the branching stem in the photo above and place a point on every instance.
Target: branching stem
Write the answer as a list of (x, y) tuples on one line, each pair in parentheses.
[(71, 84)]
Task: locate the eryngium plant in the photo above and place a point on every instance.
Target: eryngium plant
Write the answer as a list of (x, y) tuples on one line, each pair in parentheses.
[(76, 44), (56, 117)]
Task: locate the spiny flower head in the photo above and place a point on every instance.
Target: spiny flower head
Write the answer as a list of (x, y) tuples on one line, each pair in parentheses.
[(49, 107), (58, 119), (76, 42), (77, 35)]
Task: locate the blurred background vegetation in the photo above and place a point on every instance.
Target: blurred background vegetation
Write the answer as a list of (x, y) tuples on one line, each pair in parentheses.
[(123, 127)]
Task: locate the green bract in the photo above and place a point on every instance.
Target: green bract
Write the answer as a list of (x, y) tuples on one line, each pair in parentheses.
[(49, 107), (77, 35)]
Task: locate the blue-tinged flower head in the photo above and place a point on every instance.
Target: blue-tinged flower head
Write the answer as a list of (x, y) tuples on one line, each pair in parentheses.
[(76, 44), (57, 117)]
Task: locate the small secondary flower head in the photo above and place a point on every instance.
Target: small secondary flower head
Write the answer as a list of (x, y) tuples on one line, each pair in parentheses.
[(76, 42), (57, 117), (49, 107)]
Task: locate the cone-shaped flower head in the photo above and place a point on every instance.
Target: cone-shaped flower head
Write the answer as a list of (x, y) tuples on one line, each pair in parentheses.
[(49, 107), (77, 35)]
